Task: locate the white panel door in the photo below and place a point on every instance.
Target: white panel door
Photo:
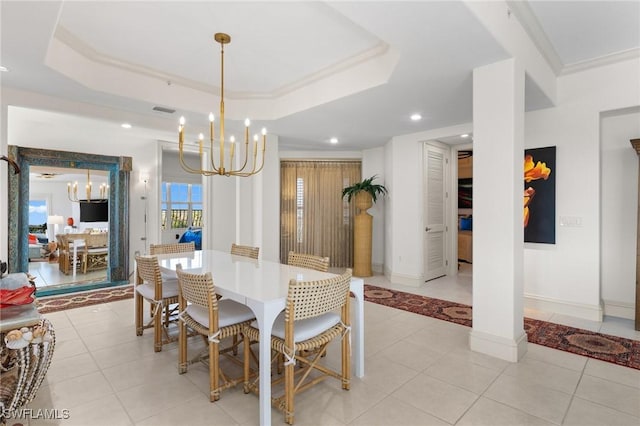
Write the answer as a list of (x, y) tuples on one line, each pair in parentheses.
[(435, 196)]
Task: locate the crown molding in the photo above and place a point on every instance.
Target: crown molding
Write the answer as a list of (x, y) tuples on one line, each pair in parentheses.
[(601, 61), (73, 42), (531, 25)]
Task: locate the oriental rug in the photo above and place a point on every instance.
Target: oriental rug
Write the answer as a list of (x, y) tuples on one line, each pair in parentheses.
[(617, 350), (86, 298)]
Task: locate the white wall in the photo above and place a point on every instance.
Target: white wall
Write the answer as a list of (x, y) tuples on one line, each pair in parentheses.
[(619, 187), (57, 195), (565, 277), (373, 164), (404, 261)]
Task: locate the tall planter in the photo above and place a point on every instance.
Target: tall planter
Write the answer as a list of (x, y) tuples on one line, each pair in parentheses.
[(364, 193), (362, 234)]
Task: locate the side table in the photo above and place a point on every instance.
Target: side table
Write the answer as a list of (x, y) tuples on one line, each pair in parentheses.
[(27, 341)]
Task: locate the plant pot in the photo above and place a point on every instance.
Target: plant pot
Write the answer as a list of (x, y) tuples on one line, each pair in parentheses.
[(363, 227), (363, 201)]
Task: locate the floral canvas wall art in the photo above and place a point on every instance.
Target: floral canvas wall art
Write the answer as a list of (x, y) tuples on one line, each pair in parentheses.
[(540, 195)]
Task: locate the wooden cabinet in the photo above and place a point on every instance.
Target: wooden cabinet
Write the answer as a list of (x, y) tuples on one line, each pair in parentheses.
[(465, 246), (465, 168)]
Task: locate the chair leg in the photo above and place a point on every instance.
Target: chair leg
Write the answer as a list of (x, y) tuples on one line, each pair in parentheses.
[(157, 331), (246, 361), (182, 342), (289, 390), (139, 309), (214, 371), (346, 349)]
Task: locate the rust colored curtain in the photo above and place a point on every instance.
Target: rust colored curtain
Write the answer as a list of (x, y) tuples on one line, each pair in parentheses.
[(314, 219)]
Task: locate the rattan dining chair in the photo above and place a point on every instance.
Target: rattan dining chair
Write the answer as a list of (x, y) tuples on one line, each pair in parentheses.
[(160, 293), (310, 261), (171, 248), (202, 312), (308, 324), (246, 251)]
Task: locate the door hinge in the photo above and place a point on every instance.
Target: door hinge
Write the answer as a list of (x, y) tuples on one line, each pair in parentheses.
[(446, 263)]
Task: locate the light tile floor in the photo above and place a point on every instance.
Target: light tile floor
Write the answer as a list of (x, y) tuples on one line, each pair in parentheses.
[(419, 371), (49, 275)]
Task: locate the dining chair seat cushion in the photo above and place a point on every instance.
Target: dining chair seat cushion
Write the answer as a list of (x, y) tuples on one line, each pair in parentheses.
[(229, 312), (169, 289), (304, 329)]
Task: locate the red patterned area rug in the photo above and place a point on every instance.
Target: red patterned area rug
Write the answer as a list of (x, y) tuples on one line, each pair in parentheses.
[(617, 350), (87, 298)]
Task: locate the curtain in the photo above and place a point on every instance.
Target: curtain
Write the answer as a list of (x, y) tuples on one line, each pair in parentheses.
[(314, 219)]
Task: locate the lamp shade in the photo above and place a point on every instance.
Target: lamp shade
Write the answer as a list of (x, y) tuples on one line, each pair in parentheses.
[(55, 220)]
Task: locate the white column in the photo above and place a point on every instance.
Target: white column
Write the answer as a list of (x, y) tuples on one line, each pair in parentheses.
[(498, 247)]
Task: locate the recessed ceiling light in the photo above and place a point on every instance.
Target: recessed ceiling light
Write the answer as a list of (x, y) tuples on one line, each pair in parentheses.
[(126, 125), (333, 140), (466, 135), (4, 69), (416, 117)]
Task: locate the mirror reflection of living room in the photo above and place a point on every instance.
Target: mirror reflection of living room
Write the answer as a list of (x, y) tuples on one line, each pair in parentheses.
[(68, 231), (465, 209)]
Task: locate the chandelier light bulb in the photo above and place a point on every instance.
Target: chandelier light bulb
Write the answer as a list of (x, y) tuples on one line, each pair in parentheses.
[(211, 117)]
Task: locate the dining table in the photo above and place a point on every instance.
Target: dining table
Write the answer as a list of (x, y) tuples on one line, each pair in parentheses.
[(262, 285)]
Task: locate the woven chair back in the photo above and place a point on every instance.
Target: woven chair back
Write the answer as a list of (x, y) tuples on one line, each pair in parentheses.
[(307, 299), (148, 270), (97, 240), (308, 261), (171, 248), (246, 251), (197, 289)]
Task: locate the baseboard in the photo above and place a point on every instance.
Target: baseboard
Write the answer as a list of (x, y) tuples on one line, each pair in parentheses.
[(580, 310), (377, 267), (408, 280), (619, 309), (511, 350)]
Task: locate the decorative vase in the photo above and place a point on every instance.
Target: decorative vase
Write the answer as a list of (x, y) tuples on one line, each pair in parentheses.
[(70, 221), (363, 226)]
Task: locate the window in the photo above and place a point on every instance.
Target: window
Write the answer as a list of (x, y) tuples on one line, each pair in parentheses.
[(314, 218), (38, 212), (181, 205)]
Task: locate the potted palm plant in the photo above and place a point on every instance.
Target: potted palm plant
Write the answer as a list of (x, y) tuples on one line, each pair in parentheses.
[(365, 193)]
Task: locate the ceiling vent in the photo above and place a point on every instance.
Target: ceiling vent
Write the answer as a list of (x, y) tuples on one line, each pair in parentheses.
[(163, 109)]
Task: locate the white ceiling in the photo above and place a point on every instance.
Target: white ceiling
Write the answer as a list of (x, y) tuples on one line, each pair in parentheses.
[(305, 70)]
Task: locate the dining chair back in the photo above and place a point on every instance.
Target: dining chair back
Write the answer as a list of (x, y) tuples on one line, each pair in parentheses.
[(246, 251), (95, 254), (310, 261), (307, 325), (202, 312), (161, 293), (172, 248)]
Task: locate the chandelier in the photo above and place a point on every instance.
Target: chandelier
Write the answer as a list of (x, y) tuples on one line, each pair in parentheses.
[(72, 191), (224, 167)]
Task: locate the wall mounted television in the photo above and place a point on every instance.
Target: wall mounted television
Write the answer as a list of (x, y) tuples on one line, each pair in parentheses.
[(94, 211)]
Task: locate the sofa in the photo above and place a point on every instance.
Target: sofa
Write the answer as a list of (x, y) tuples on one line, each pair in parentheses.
[(38, 241)]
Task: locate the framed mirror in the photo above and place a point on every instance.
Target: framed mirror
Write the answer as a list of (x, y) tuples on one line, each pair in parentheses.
[(117, 171)]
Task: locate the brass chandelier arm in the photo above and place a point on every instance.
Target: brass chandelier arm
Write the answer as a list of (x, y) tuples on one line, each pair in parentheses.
[(221, 168), (103, 191)]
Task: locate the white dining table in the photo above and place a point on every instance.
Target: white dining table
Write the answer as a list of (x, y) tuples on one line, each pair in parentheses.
[(262, 285)]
